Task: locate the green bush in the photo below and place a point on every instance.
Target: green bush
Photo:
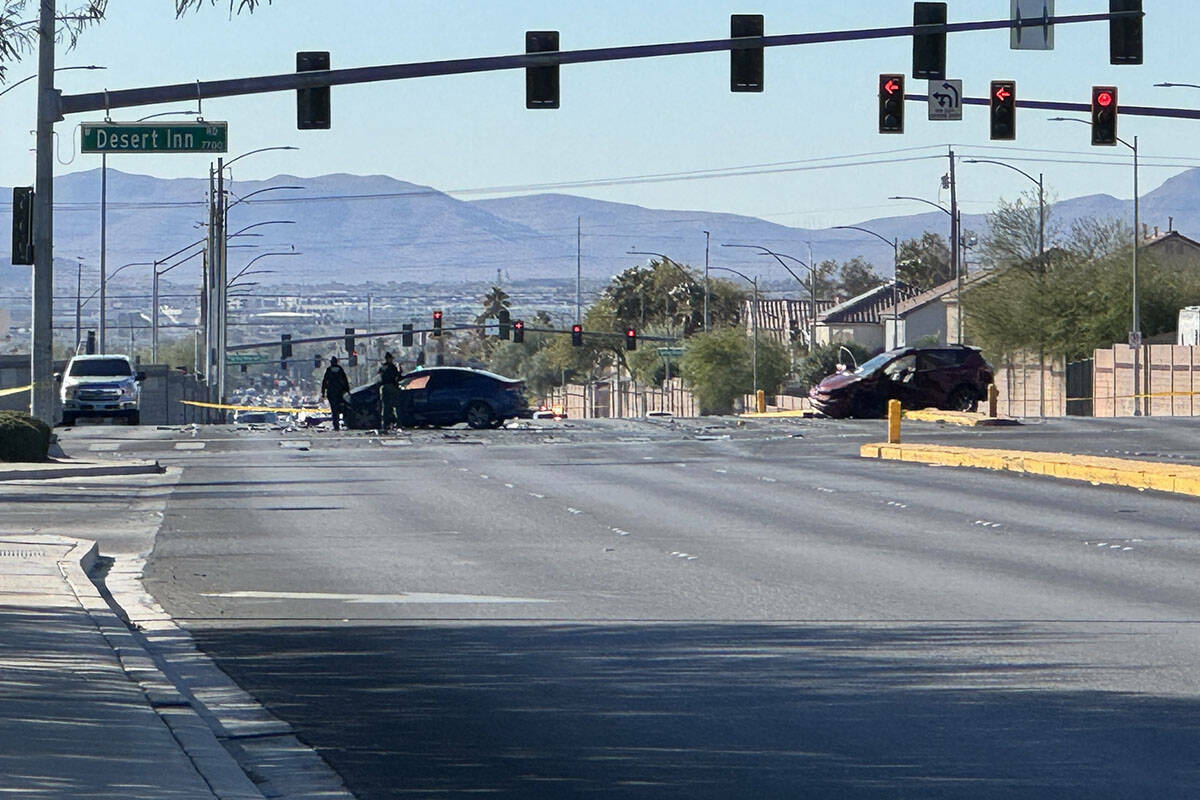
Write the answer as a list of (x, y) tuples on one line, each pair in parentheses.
[(23, 437)]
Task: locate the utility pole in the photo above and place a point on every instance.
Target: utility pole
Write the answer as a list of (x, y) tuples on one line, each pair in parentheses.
[(578, 270), (955, 265), (41, 357), (222, 278), (707, 288), (103, 245)]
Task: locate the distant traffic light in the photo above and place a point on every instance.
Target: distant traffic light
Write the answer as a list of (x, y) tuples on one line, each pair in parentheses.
[(541, 83), (745, 63), (891, 104), (577, 335), (1104, 115), (437, 323), (285, 345), (503, 320), (349, 341), (518, 331), (929, 49), (22, 225), (316, 362), (406, 334), (630, 339), (1125, 33), (312, 105), (1004, 110)]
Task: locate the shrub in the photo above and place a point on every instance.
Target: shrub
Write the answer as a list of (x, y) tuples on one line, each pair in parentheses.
[(23, 437)]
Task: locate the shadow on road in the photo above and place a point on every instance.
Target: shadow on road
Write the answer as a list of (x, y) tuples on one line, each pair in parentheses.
[(709, 711)]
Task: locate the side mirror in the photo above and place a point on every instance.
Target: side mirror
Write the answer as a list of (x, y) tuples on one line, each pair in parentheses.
[(58, 377), (141, 376)]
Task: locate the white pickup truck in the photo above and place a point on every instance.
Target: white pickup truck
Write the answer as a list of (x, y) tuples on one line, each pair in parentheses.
[(101, 386)]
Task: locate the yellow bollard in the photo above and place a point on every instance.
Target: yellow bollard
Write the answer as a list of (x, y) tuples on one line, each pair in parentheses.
[(893, 422), (760, 402), (993, 399)]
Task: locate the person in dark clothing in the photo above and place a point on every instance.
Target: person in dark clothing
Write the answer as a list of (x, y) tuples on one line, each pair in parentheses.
[(335, 386), (389, 393)]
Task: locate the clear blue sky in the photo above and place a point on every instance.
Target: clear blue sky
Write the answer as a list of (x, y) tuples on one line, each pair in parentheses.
[(470, 135)]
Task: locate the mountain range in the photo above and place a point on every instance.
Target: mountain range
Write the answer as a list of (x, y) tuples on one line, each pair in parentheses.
[(354, 229)]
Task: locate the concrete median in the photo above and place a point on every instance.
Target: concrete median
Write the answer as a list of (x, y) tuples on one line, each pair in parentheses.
[(1162, 477)]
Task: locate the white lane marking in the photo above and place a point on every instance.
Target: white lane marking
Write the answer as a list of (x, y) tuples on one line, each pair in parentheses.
[(573, 510), (827, 491), (402, 597), (768, 480), (685, 556), (619, 532), (295, 444), (984, 523), (463, 469), (721, 471), (101, 447), (538, 496), (509, 486), (189, 445), (485, 477)]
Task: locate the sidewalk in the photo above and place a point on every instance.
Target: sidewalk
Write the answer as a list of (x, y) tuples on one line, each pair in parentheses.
[(84, 711)]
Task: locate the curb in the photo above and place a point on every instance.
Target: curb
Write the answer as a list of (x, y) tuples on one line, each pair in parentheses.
[(211, 760), (971, 419), (82, 469), (1183, 479)]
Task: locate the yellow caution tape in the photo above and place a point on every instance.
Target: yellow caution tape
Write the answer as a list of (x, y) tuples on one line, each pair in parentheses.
[(227, 407), (17, 390)]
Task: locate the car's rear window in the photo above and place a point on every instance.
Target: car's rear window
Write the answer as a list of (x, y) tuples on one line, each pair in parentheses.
[(944, 358), (100, 368)]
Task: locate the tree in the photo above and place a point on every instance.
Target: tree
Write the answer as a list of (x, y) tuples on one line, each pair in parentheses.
[(718, 367), (19, 26), (823, 361), (857, 276), (1014, 234), (924, 262)]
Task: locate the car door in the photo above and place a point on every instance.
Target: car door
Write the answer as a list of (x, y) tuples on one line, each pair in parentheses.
[(898, 381), (936, 375), (414, 397), (447, 393)]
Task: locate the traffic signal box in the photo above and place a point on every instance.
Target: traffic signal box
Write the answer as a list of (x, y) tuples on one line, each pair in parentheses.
[(437, 323), (630, 339), (1004, 110), (285, 350), (22, 225), (1125, 33), (406, 334), (891, 104), (541, 83), (1104, 115), (518, 331), (929, 49), (745, 63), (312, 105), (503, 323), (577, 335)]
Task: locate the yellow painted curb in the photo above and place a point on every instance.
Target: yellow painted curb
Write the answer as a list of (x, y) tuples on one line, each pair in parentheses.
[(967, 418), (770, 414), (1174, 478)]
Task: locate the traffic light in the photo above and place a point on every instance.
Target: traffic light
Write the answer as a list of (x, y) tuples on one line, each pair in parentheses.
[(891, 104), (312, 105), (1104, 115), (503, 317), (929, 49), (437, 323), (577, 335), (90, 347), (316, 362), (22, 225), (518, 331), (541, 83), (746, 63), (285, 350), (630, 339), (406, 337), (1125, 33), (1004, 109), (349, 341)]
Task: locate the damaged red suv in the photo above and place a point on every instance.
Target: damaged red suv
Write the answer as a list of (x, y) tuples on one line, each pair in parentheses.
[(952, 377)]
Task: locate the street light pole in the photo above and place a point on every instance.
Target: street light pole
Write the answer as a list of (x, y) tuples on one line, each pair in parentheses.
[(812, 282), (707, 288), (895, 243)]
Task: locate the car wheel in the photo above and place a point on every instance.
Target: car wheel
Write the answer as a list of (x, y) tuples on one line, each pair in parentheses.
[(135, 418), (479, 415), (963, 398)]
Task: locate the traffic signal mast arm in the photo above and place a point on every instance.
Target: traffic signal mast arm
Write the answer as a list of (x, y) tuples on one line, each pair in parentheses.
[(1051, 105), (183, 92), (374, 334)]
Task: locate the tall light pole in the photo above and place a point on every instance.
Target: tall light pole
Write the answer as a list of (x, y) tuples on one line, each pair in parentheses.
[(707, 288), (895, 243), (955, 227), (753, 323), (812, 283), (1135, 335)]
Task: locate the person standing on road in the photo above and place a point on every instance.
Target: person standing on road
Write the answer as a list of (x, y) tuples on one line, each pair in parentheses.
[(389, 393), (335, 386)]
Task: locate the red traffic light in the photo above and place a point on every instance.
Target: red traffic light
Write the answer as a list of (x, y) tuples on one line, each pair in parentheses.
[(437, 315), (891, 87), (1003, 93), (1104, 99)]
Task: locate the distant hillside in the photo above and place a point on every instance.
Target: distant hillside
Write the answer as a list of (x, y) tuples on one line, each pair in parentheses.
[(355, 228)]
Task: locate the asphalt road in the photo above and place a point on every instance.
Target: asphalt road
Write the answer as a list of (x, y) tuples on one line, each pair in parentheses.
[(659, 609)]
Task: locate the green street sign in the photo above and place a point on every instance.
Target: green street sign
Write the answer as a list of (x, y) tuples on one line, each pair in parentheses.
[(246, 358), (670, 352), (154, 137)]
